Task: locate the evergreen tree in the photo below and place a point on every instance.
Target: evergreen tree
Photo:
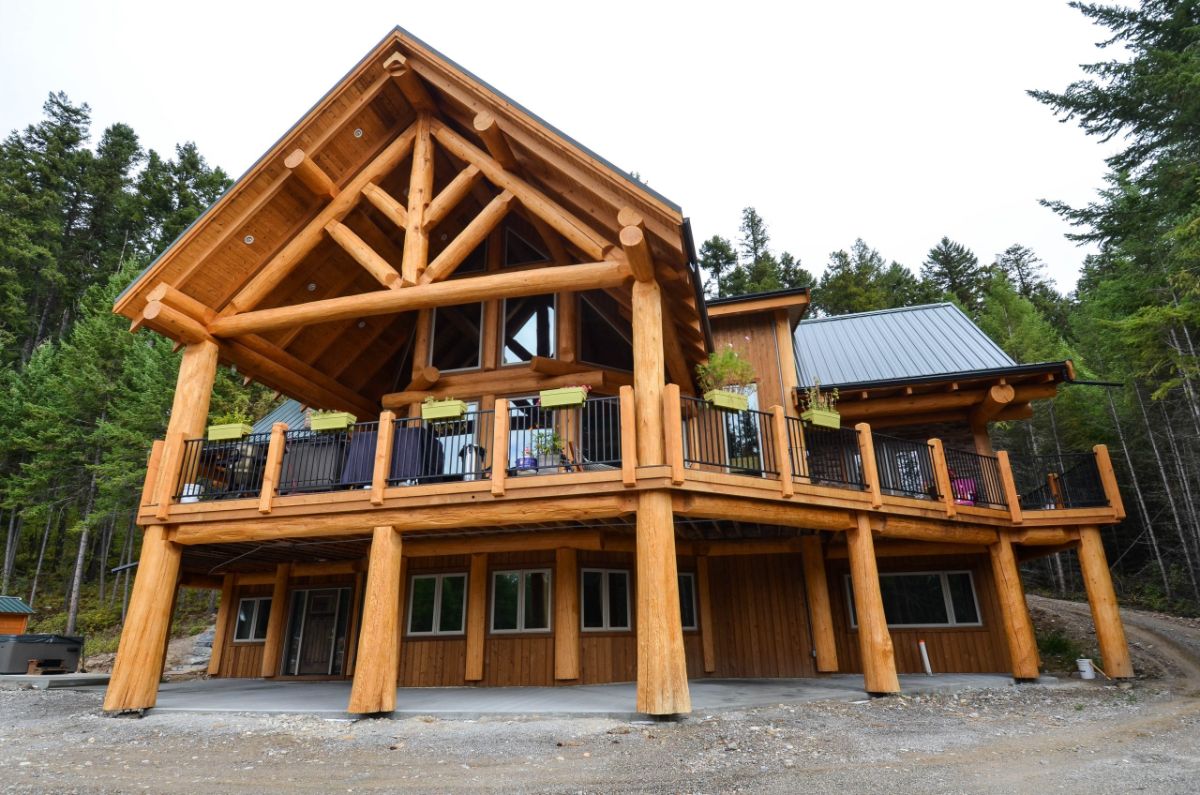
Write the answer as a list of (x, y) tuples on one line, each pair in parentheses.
[(717, 259), (954, 270)]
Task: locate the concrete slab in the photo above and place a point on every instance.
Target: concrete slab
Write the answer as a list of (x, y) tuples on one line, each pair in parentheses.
[(56, 681), (611, 700)]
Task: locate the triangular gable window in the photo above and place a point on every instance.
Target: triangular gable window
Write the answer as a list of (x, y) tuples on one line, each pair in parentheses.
[(519, 251)]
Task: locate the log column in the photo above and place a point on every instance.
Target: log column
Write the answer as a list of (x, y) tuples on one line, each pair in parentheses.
[(662, 686), (476, 617), (874, 640), (1018, 628), (273, 645), (224, 616), (378, 662), (816, 587), (566, 614), (1110, 632), (142, 650), (648, 372)]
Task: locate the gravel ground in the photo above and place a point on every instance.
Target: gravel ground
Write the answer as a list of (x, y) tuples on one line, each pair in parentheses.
[(1076, 737)]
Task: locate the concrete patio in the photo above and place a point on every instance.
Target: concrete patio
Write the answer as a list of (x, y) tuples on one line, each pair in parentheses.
[(329, 699)]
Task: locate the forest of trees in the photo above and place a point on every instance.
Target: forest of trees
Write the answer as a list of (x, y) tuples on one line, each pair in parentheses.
[(81, 398)]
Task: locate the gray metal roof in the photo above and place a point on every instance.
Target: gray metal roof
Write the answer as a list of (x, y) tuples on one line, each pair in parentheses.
[(893, 344), (11, 604), (288, 411)]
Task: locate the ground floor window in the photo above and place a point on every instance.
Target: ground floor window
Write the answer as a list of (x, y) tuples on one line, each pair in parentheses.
[(521, 601), (925, 599), (605, 597), (437, 604), (687, 600), (252, 617)]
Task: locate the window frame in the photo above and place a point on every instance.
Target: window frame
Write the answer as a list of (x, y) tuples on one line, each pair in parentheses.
[(438, 578), (479, 363), (691, 575), (520, 629), (254, 620), (502, 332), (943, 580), (604, 600)]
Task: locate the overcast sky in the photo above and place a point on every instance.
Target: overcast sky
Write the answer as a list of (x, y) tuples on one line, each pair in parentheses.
[(895, 122)]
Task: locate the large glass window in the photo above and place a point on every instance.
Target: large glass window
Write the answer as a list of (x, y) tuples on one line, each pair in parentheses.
[(605, 599), (608, 340), (528, 328), (456, 337), (252, 619), (521, 601), (437, 604), (925, 599)]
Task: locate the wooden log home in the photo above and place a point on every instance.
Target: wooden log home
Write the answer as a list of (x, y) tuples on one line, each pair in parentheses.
[(417, 235)]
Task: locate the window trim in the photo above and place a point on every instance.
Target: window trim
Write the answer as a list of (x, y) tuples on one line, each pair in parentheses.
[(479, 350), (438, 578), (502, 332), (604, 600), (253, 620), (520, 628), (943, 579), (691, 575)]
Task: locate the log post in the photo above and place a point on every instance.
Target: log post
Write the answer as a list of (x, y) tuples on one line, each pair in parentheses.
[(420, 193), (477, 584), (1018, 628), (870, 471), (1110, 632), (704, 594), (273, 646), (874, 640), (1108, 478), (673, 432), (783, 452), (378, 662), (189, 414), (150, 482), (1010, 487), (140, 655), (662, 686), (816, 588), (273, 467), (224, 616), (385, 438), (628, 437), (941, 473), (648, 371), (499, 446), (566, 614)]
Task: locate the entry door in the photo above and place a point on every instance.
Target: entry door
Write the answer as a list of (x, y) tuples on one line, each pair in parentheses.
[(318, 632)]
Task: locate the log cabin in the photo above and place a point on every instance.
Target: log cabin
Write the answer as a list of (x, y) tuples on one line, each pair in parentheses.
[(419, 238)]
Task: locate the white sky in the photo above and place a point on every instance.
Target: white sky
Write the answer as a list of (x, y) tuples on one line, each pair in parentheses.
[(896, 122)]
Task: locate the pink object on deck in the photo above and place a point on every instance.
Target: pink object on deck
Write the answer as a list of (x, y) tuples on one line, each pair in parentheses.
[(963, 490)]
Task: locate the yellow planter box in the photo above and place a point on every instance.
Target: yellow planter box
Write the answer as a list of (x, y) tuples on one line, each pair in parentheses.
[(331, 420), (443, 409), (727, 401), (227, 431), (562, 397), (823, 418)]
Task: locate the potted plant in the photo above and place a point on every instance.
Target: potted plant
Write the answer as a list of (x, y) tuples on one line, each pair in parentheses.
[(548, 446), (563, 397), (442, 408), (819, 407), (229, 426), (726, 379), (331, 420)]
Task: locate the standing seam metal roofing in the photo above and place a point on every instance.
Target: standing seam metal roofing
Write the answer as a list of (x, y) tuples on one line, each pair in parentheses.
[(11, 604), (934, 339)]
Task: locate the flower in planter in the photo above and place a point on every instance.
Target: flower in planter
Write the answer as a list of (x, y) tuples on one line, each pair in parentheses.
[(725, 370)]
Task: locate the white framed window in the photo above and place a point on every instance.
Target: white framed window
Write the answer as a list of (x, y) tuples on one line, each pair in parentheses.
[(521, 601), (925, 599), (604, 600), (437, 604), (687, 600), (252, 616)]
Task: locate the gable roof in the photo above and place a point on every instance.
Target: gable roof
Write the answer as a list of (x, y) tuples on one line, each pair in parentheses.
[(913, 342), (11, 604)]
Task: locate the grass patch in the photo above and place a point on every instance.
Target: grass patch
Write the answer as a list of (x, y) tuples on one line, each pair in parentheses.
[(1058, 650)]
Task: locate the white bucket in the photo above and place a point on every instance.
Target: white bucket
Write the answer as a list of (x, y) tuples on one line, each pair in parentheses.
[(1086, 669), (191, 492)]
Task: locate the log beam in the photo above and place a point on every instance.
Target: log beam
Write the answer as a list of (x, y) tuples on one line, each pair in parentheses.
[(379, 268), (468, 239), (411, 85), (383, 201), (451, 195), (420, 193), (649, 371), (378, 659), (1110, 632), (309, 173), (637, 253)]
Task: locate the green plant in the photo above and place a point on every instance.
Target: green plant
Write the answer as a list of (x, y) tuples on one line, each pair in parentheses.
[(1058, 650), (233, 418), (434, 399), (814, 398), (547, 443), (725, 369)]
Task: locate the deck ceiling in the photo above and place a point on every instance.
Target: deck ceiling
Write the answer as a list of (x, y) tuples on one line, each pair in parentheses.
[(266, 243)]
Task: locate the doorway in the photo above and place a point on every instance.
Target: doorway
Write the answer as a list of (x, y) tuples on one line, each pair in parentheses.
[(316, 644)]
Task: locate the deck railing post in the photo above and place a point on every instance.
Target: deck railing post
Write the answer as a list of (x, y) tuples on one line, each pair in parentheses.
[(941, 471), (1010, 487), (870, 471), (1108, 479), (499, 447), (150, 483), (629, 459), (385, 437), (168, 473), (273, 467), (783, 452), (673, 431)]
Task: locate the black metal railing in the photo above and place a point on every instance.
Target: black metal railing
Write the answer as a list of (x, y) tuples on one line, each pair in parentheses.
[(825, 456), (546, 441), (1050, 482), (219, 470), (905, 467), (327, 460), (736, 442), (975, 478), (442, 451)]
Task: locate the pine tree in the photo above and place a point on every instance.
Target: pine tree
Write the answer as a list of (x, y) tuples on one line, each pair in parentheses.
[(954, 270), (717, 259)]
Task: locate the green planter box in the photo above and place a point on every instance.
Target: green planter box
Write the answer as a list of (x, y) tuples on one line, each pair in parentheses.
[(443, 410), (231, 430), (824, 418), (727, 401), (562, 397), (331, 420)]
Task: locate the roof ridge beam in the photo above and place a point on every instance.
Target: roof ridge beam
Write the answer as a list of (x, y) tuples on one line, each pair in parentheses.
[(410, 83)]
